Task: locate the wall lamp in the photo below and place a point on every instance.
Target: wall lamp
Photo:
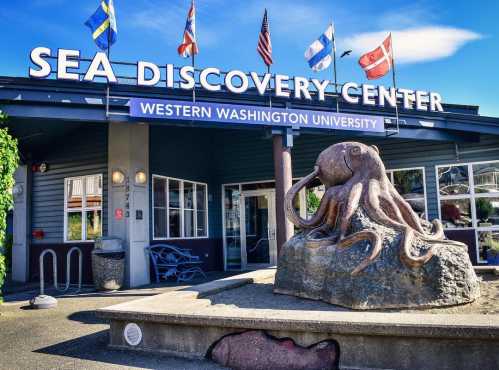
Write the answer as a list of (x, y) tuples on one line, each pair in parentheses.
[(140, 177), (118, 177)]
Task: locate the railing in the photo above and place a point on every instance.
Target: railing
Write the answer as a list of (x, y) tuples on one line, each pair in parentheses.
[(125, 73)]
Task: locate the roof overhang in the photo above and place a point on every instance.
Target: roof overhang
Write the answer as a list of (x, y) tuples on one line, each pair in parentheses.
[(49, 100)]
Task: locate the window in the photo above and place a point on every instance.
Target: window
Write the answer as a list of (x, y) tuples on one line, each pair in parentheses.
[(410, 183), (232, 230), (180, 209), (82, 208), (469, 198)]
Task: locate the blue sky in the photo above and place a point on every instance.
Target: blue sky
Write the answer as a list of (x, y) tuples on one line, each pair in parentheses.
[(447, 46)]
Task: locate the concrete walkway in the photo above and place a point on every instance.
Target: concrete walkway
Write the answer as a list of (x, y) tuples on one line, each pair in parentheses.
[(71, 337)]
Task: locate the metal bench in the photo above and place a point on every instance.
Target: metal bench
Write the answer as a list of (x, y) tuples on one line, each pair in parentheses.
[(173, 262)]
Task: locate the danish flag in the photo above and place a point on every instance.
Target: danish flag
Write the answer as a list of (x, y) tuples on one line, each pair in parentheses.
[(189, 45), (378, 62)]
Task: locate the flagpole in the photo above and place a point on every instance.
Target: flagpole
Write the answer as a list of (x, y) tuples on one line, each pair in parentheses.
[(193, 52), (194, 68), (334, 71), (394, 84), (108, 58), (270, 87)]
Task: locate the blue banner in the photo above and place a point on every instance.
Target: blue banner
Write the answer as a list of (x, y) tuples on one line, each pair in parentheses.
[(253, 115)]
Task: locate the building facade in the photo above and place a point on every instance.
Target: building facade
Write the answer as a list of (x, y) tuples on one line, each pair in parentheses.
[(90, 169)]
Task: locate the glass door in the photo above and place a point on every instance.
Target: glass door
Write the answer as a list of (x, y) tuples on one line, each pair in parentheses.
[(258, 239)]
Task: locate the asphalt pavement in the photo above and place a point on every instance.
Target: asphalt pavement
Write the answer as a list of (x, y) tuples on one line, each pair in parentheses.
[(71, 337)]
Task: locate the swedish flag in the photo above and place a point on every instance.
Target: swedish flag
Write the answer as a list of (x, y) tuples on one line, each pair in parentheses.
[(103, 25)]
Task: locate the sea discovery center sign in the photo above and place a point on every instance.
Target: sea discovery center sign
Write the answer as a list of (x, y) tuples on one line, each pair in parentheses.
[(69, 65), (252, 115)]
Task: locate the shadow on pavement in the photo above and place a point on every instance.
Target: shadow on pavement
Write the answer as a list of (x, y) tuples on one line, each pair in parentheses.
[(93, 348), (86, 317)]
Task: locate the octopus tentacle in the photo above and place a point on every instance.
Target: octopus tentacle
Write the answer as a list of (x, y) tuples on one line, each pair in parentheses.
[(378, 214), (438, 229), (389, 206), (318, 217), (375, 211), (375, 241), (405, 254), (408, 214), (351, 206), (330, 219)]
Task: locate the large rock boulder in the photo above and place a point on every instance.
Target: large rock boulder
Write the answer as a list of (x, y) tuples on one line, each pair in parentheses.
[(324, 272)]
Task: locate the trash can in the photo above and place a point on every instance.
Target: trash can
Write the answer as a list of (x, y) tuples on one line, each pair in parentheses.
[(108, 264)]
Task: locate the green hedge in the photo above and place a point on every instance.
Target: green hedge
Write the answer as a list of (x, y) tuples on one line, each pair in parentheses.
[(2, 273), (9, 160)]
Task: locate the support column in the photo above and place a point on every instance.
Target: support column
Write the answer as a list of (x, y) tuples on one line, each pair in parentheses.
[(282, 144), (21, 219), (128, 209)]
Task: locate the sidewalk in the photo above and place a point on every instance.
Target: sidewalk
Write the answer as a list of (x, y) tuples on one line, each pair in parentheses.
[(11, 287), (23, 292)]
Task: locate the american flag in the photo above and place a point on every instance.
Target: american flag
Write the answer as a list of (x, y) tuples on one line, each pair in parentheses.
[(189, 45), (264, 47)]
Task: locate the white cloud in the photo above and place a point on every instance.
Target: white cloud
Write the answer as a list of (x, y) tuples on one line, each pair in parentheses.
[(413, 45)]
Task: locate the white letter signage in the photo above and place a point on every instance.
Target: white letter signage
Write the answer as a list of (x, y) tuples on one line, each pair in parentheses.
[(68, 67)]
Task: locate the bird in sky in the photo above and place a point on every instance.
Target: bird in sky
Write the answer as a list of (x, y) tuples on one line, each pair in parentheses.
[(346, 53)]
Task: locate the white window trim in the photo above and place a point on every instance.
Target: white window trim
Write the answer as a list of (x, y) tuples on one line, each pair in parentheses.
[(471, 196), (181, 190), (82, 210), (224, 231), (392, 170)]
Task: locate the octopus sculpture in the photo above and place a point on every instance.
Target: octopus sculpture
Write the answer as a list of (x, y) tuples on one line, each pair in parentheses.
[(354, 176)]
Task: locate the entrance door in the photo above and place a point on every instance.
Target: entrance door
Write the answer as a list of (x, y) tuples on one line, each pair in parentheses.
[(258, 230)]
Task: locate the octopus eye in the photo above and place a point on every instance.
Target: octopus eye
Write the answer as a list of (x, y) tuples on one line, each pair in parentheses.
[(355, 150)]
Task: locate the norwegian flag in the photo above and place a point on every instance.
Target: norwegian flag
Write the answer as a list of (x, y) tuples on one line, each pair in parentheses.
[(378, 62), (264, 47), (189, 45)]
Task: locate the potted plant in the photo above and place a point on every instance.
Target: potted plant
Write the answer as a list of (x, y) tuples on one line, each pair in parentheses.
[(484, 210), (492, 251)]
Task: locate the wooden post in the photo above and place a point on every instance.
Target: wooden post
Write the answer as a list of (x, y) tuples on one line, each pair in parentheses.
[(283, 182)]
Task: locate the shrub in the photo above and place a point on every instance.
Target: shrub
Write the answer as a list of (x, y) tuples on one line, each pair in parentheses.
[(8, 163), (7, 246), (313, 202), (484, 209), (493, 246)]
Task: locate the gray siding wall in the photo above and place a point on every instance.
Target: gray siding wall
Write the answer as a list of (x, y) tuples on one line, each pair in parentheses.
[(186, 153), (82, 152)]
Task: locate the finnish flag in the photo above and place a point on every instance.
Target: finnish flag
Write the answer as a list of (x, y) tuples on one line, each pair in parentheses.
[(318, 55)]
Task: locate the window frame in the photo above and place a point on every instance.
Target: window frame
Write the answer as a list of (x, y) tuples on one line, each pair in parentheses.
[(472, 196), (83, 209), (389, 173), (182, 209)]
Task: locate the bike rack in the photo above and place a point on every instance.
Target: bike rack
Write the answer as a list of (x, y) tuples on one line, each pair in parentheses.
[(45, 301)]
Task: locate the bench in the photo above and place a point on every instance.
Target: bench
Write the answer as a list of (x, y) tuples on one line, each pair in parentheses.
[(173, 262)]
